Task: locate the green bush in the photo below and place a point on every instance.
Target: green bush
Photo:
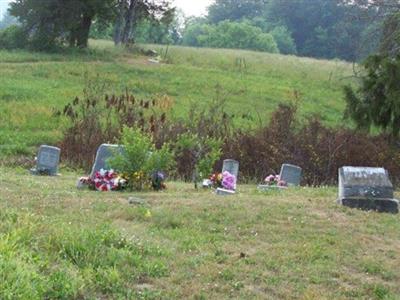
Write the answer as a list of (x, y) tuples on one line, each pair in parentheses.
[(13, 37), (228, 34), (284, 40), (141, 158)]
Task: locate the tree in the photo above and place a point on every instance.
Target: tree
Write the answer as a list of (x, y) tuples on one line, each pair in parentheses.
[(284, 40), (235, 10), (228, 34), (132, 12), (323, 28), (50, 23), (377, 100)]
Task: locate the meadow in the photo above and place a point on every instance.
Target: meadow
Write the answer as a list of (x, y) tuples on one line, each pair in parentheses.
[(57, 242), (34, 85)]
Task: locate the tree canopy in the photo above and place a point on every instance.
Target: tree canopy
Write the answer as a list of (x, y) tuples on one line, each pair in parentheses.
[(51, 23), (376, 102)]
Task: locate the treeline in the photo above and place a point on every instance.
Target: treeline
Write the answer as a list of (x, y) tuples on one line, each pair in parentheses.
[(317, 28), (344, 29)]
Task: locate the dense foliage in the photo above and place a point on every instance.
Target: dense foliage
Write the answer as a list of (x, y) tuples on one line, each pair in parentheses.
[(344, 29), (230, 35), (318, 28), (376, 102), (52, 24)]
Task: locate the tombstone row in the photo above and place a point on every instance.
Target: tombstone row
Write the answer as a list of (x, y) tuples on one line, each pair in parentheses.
[(359, 187)]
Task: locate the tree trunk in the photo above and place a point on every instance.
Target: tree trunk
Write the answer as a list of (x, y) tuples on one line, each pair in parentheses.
[(83, 34), (72, 40), (119, 25), (129, 19)]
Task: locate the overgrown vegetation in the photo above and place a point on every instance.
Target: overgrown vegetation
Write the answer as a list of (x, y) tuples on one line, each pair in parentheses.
[(209, 135)]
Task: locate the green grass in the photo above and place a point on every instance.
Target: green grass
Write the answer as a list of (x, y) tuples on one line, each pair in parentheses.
[(34, 84), (57, 242)]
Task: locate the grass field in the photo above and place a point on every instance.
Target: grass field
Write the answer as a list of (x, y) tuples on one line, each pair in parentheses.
[(60, 243), (33, 84)]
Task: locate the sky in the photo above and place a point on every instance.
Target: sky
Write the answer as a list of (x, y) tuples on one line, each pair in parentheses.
[(3, 7), (189, 7), (193, 7)]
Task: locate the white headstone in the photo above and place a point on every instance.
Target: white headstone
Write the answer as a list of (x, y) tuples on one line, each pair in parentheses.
[(105, 152), (47, 162), (366, 188), (290, 174)]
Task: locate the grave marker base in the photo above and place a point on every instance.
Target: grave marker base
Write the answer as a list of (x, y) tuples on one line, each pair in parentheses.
[(224, 192), (265, 187), (379, 205)]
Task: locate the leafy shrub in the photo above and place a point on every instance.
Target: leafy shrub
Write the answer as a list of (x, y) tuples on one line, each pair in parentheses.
[(284, 40), (141, 158), (13, 37)]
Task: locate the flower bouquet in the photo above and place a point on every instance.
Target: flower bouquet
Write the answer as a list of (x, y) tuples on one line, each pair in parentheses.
[(104, 181), (224, 180), (275, 180), (157, 181)]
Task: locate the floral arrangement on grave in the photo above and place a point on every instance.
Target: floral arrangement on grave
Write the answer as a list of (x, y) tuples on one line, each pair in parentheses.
[(158, 181), (275, 180), (224, 180), (104, 181)]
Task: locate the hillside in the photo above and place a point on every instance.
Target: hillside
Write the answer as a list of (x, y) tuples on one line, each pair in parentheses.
[(33, 84)]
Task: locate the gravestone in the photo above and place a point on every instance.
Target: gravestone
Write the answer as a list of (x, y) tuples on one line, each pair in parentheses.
[(367, 189), (232, 166), (47, 161), (291, 174), (104, 152)]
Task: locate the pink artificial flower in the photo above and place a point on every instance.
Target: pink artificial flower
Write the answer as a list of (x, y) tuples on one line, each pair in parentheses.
[(228, 181), (270, 178), (282, 183)]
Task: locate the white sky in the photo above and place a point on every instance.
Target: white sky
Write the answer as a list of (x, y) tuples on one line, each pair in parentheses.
[(193, 7), (3, 7), (189, 7)]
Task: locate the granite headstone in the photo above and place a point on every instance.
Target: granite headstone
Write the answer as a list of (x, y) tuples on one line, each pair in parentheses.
[(367, 189), (291, 174), (47, 161), (232, 166), (105, 152)]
